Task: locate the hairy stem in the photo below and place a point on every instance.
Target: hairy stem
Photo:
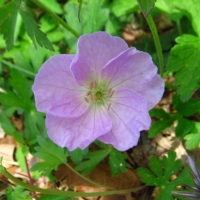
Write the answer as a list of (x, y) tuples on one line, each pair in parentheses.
[(30, 177), (56, 17), (65, 193), (85, 178), (157, 43)]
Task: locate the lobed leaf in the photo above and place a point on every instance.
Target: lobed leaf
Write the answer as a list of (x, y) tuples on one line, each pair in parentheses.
[(193, 139), (77, 155), (93, 159), (146, 6), (34, 32), (159, 126), (117, 161), (161, 172), (8, 18), (159, 113), (52, 154), (184, 60)]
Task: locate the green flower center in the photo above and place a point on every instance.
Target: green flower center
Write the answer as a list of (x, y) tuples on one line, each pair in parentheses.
[(98, 93), (98, 96)]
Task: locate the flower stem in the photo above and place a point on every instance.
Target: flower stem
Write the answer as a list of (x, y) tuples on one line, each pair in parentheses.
[(65, 193), (56, 17), (85, 178), (157, 43), (30, 177), (18, 68)]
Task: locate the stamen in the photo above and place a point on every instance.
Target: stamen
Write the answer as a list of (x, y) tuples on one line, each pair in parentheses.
[(88, 93), (95, 85), (87, 100), (109, 90), (112, 93), (109, 106), (91, 85), (92, 97)]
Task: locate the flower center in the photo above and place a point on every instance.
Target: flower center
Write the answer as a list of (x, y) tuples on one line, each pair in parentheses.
[(98, 96), (98, 93)]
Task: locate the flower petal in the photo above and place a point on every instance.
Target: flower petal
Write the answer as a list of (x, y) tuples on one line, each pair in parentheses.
[(129, 114), (135, 70), (56, 91), (94, 51), (81, 131)]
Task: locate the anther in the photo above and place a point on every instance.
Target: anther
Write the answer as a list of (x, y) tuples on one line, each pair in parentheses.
[(95, 84), (91, 85), (87, 100), (109, 106), (88, 93), (111, 93), (92, 97), (109, 90)]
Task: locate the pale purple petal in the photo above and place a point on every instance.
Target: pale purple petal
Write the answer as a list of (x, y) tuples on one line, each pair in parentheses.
[(81, 131), (56, 91), (135, 70), (129, 114), (94, 51)]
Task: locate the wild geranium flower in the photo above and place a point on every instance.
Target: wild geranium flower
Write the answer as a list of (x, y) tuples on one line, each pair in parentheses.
[(103, 92)]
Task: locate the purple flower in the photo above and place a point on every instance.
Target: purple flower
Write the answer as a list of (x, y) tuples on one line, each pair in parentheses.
[(103, 92)]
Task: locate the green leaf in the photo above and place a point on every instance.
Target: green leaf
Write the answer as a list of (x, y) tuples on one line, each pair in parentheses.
[(52, 154), (159, 126), (18, 194), (161, 172), (147, 176), (21, 152), (21, 85), (184, 127), (117, 161), (77, 155), (186, 108), (7, 126), (53, 5), (159, 113), (8, 17), (18, 137), (123, 7), (193, 139), (34, 32), (146, 6), (93, 159), (92, 16), (184, 60), (34, 124), (95, 17), (189, 8), (38, 53), (10, 99)]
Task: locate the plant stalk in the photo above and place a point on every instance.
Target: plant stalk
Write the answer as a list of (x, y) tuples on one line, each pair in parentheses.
[(157, 44), (65, 193), (56, 17), (85, 178)]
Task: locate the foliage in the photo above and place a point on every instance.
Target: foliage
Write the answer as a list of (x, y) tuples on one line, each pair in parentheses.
[(19, 193), (161, 172), (52, 155), (31, 31)]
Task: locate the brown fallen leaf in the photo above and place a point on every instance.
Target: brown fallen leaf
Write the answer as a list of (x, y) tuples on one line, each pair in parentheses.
[(101, 174)]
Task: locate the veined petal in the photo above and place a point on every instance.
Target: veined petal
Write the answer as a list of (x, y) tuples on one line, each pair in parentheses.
[(135, 70), (56, 91), (93, 52), (81, 131), (129, 114)]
